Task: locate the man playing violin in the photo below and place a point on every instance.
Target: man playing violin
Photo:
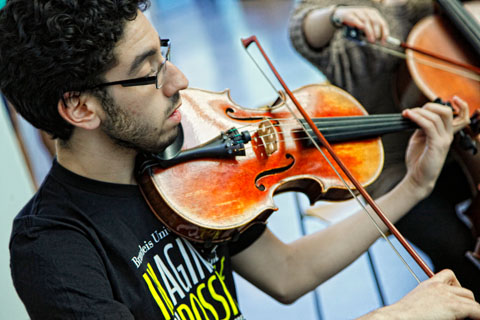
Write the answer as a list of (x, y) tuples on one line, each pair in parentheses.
[(97, 77), (373, 77)]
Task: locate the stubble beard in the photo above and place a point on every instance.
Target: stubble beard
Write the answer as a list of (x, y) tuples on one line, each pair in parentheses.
[(128, 132)]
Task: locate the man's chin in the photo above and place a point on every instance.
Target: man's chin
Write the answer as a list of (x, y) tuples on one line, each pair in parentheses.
[(170, 146)]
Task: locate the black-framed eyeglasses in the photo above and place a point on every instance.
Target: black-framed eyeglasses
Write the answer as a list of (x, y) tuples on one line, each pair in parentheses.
[(158, 79)]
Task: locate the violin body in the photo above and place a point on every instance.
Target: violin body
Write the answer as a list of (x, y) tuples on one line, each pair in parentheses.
[(215, 199)]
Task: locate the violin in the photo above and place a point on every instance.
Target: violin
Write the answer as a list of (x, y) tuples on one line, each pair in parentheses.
[(233, 160)]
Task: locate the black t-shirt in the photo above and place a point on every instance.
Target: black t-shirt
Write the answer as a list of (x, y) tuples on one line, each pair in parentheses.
[(85, 249)]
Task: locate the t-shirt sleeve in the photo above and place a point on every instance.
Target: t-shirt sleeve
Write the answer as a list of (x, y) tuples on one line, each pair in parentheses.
[(68, 279), (246, 238)]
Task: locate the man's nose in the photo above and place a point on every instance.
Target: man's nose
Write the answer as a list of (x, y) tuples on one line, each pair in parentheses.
[(175, 80)]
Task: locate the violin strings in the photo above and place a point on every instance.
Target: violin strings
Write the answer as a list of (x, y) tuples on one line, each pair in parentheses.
[(455, 70), (341, 121), (288, 124), (252, 131)]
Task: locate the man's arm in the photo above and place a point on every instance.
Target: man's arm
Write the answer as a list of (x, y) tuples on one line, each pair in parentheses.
[(302, 265), (288, 271)]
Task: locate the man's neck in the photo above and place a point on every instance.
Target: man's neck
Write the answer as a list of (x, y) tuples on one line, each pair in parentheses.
[(97, 157)]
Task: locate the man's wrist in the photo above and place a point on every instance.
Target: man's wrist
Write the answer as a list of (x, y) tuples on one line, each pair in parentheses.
[(384, 313), (414, 190)]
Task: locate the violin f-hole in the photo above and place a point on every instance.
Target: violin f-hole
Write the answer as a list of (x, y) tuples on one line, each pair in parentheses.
[(270, 172), (230, 112)]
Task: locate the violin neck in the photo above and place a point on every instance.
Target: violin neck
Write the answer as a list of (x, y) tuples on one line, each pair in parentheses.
[(341, 129), (463, 21)]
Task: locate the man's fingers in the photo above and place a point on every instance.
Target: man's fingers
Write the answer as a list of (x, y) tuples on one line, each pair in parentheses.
[(445, 113), (432, 123), (447, 276)]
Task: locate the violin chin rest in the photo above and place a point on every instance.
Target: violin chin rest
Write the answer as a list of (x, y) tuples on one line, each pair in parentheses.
[(174, 148)]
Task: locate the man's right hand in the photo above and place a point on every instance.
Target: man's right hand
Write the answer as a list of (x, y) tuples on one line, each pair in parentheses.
[(440, 297)]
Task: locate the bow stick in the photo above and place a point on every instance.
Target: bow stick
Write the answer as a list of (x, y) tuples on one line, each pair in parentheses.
[(466, 70), (253, 39), (399, 43)]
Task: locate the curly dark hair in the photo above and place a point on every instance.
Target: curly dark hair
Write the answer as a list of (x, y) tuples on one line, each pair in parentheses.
[(48, 47)]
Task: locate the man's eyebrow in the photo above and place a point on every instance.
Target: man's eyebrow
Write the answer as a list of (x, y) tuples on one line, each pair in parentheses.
[(139, 60)]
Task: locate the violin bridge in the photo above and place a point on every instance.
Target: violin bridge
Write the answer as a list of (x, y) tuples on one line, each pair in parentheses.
[(268, 135)]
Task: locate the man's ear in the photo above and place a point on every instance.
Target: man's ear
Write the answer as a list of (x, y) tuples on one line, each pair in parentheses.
[(79, 110)]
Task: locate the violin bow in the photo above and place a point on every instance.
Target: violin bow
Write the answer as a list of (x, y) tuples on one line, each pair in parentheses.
[(399, 43), (253, 39)]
